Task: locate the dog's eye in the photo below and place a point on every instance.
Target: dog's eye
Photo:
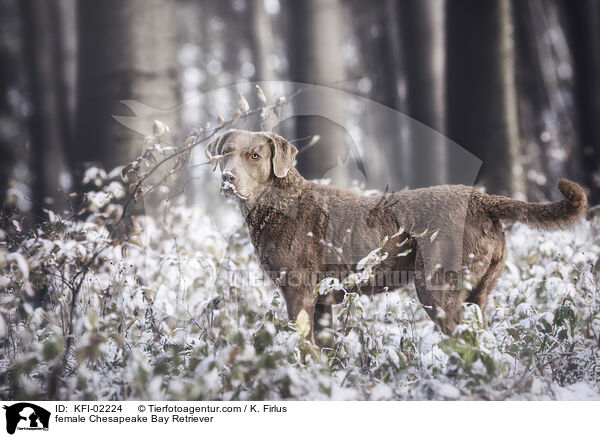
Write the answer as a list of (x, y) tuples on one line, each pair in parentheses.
[(255, 155)]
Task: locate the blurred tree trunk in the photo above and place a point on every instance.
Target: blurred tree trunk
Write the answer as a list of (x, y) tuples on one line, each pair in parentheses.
[(41, 41), (7, 153), (546, 109), (261, 45), (128, 51), (422, 27), (315, 46), (261, 41), (584, 34), (533, 100), (9, 67), (517, 187), (382, 62), (481, 104), (396, 71), (64, 15)]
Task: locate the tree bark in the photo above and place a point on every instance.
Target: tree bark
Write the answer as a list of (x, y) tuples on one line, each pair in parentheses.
[(64, 15), (517, 187), (315, 28), (261, 41), (128, 51), (422, 26), (584, 36), (533, 100), (381, 53), (46, 135), (480, 109), (9, 67)]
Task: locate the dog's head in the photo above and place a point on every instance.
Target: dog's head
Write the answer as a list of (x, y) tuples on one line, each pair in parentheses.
[(249, 161)]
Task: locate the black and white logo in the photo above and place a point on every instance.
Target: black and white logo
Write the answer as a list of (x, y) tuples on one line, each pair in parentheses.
[(26, 416)]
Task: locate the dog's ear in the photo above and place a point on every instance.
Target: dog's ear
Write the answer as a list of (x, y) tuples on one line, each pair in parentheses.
[(283, 154), (215, 147), (211, 148)]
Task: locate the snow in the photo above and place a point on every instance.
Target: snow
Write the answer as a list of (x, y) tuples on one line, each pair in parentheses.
[(164, 317)]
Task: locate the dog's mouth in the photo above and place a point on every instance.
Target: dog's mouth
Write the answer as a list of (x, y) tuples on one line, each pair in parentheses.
[(229, 190)]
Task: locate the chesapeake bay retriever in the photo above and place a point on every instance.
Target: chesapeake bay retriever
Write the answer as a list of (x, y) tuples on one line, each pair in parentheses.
[(447, 239)]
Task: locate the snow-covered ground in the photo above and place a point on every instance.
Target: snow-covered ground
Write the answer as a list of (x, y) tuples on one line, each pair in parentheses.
[(164, 315)]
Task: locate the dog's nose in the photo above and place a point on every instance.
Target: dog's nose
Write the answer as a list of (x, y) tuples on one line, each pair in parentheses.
[(229, 177)]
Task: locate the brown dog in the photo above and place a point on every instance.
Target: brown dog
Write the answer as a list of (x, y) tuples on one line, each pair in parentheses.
[(449, 238)]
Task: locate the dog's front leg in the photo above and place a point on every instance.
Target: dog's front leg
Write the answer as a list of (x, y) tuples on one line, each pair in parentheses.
[(300, 302)]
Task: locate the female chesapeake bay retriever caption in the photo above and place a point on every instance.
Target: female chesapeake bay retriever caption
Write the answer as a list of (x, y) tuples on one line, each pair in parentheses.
[(448, 239)]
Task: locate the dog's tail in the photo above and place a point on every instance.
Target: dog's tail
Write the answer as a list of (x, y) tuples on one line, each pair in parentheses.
[(554, 215)]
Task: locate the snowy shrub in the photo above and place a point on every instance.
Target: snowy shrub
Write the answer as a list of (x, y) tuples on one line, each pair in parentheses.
[(160, 318), (105, 305)]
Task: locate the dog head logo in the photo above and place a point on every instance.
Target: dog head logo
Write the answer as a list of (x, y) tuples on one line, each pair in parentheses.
[(26, 416)]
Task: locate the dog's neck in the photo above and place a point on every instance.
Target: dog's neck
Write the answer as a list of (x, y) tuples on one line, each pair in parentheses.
[(279, 197), (292, 181)]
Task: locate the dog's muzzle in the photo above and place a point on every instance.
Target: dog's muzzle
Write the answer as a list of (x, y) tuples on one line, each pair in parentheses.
[(228, 188)]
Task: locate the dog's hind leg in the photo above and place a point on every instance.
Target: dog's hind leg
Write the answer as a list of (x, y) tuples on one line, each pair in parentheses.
[(441, 301), (488, 281)]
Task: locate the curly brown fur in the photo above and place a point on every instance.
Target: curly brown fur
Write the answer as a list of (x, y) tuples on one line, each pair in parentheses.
[(545, 216), (442, 237)]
